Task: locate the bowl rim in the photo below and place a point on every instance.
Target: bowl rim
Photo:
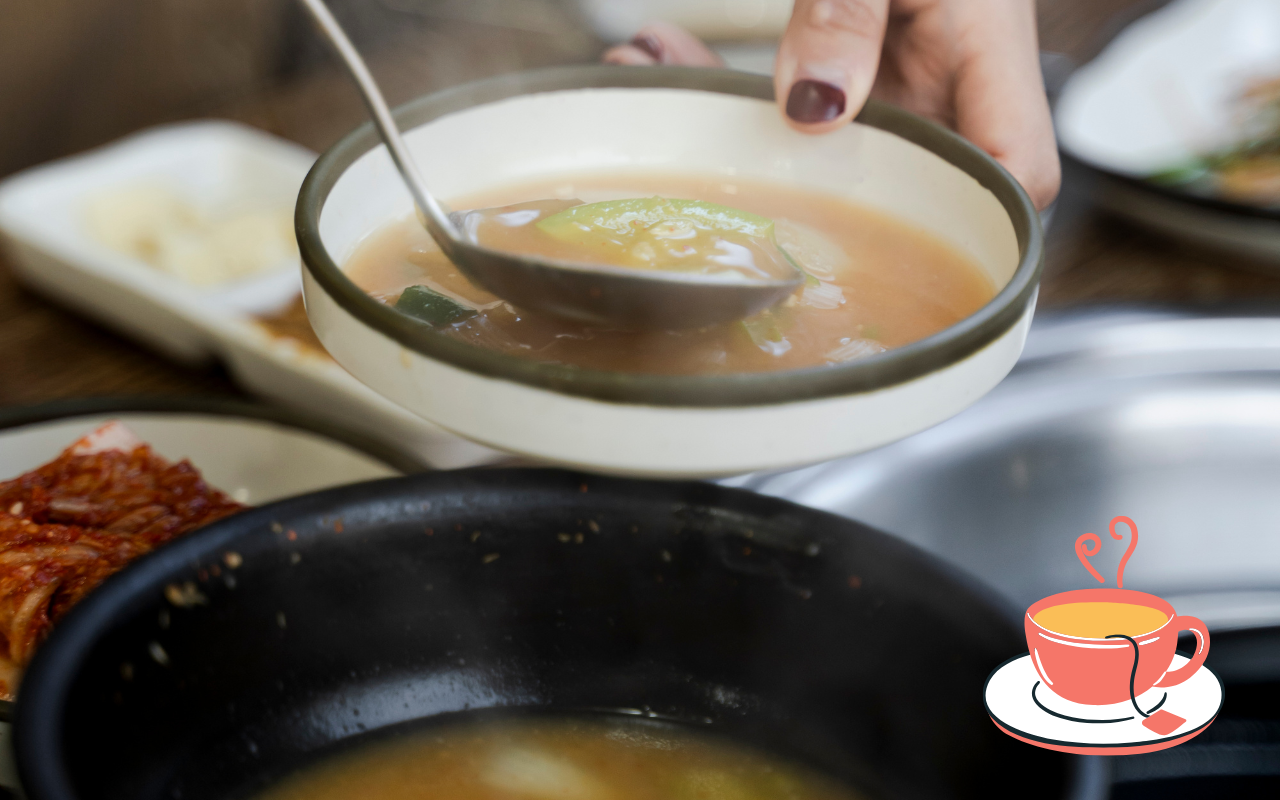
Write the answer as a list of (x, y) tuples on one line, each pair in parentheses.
[(895, 366)]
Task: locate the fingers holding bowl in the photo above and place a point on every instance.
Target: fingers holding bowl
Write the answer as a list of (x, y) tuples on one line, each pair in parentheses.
[(827, 61), (1000, 100), (831, 51)]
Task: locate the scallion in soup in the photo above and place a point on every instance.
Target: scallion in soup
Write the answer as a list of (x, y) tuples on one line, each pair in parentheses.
[(872, 282)]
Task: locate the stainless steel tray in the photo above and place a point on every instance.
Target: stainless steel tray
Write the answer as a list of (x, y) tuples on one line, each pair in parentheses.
[(1168, 418)]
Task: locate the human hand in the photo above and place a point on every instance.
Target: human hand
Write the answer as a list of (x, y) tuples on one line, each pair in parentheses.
[(972, 65)]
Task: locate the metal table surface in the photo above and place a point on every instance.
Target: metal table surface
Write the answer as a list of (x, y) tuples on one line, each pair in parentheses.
[(1170, 418)]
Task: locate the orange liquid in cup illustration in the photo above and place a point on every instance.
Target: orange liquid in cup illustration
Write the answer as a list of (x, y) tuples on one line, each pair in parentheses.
[(1067, 636)]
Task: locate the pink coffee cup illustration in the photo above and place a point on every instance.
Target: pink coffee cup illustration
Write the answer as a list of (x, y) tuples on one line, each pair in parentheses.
[(1105, 648), (1067, 636)]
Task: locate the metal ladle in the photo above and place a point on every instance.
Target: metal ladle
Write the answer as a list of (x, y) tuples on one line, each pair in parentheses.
[(594, 294)]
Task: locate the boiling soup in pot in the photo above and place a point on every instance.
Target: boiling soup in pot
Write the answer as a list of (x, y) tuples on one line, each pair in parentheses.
[(545, 758)]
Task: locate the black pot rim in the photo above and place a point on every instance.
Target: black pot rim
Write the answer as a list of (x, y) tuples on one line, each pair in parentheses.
[(895, 366), (38, 720)]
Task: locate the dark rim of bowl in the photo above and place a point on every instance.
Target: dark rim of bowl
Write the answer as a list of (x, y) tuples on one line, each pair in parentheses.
[(217, 407), (895, 366)]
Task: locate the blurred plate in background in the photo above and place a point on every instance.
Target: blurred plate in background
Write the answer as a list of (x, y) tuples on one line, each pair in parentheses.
[(707, 19), (1164, 93)]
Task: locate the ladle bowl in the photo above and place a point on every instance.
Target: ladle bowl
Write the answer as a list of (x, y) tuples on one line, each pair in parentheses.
[(593, 294)]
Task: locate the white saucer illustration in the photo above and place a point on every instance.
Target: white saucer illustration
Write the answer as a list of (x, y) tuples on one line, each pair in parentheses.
[(1021, 705)]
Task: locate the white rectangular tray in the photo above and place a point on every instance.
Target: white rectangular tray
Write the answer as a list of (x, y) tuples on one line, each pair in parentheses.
[(207, 162)]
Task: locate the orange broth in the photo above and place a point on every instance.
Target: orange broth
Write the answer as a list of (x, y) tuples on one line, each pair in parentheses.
[(875, 283)]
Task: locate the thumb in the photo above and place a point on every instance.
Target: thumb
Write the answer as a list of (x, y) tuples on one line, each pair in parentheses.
[(827, 61)]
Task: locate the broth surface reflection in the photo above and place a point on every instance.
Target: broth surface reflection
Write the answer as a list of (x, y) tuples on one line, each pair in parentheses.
[(558, 758)]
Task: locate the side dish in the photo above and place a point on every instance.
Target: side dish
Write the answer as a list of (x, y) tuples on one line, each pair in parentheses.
[(67, 526), (1247, 170), (204, 247), (872, 282), (292, 324)]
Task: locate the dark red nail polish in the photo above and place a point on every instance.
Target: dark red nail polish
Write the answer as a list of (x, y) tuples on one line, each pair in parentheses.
[(650, 44), (814, 101)]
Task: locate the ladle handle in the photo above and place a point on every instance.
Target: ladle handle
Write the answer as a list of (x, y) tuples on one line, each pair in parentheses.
[(433, 216)]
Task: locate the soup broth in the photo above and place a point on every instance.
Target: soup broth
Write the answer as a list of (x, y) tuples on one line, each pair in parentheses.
[(1100, 620), (558, 759), (873, 283)]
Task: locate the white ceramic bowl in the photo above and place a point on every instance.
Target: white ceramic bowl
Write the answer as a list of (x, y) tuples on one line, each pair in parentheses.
[(584, 119)]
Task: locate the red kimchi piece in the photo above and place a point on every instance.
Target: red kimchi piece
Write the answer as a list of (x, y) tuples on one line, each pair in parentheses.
[(65, 527)]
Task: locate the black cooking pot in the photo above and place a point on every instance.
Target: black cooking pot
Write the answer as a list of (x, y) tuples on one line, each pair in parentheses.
[(223, 661)]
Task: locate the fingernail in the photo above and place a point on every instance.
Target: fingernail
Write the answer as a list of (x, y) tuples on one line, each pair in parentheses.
[(650, 44), (814, 101)]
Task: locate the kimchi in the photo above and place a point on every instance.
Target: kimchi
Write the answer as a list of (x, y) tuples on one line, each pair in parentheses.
[(68, 525)]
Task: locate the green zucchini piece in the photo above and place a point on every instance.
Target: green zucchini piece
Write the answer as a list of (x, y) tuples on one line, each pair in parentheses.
[(580, 224), (432, 307), (658, 233)]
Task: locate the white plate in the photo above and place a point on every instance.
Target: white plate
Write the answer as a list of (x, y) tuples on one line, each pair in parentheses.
[(295, 377), (1160, 93), (209, 162), (256, 460), (1013, 707)]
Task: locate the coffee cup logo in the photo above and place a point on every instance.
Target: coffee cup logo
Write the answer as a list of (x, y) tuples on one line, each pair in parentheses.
[(1101, 674)]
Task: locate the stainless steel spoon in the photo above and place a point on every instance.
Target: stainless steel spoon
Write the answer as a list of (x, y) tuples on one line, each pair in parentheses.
[(599, 295)]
